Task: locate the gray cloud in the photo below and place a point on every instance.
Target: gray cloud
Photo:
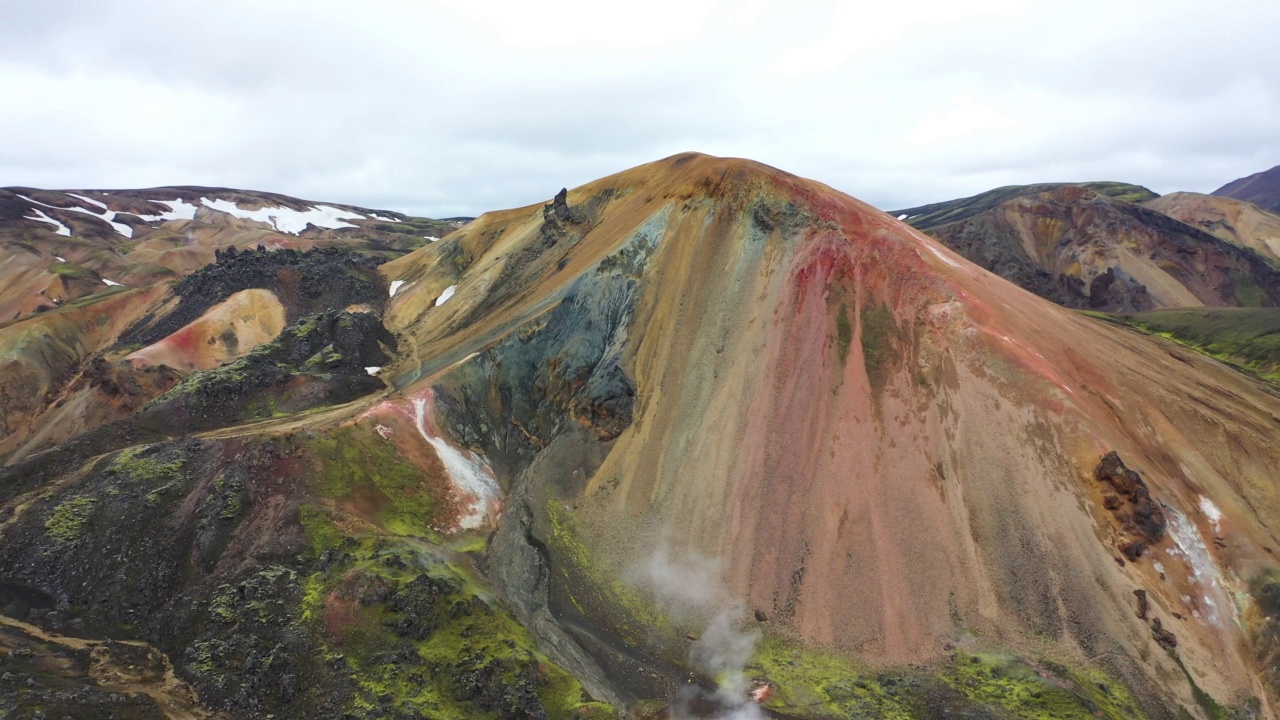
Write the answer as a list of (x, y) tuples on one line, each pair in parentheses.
[(444, 108)]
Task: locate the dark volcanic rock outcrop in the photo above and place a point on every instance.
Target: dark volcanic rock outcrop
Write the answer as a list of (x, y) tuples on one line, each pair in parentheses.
[(321, 359), (1139, 516), (305, 282)]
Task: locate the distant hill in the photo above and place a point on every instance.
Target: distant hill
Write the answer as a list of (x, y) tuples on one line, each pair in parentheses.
[(59, 246), (934, 214), (1235, 221), (1091, 246), (1261, 189)]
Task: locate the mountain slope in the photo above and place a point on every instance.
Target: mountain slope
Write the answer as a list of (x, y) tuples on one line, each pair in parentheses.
[(1083, 249), (1235, 221), (695, 439), (1261, 189)]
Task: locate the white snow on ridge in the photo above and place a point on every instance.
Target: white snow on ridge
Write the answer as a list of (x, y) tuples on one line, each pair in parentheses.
[(395, 285), (178, 210), (376, 216), (112, 283), (108, 216), (91, 201), (373, 370), (444, 296), (41, 217), (432, 239), (286, 220), (903, 216)]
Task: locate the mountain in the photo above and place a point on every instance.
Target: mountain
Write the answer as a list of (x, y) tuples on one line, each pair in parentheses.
[(60, 246), (699, 439), (929, 216), (1085, 249), (1261, 189), (1235, 221)]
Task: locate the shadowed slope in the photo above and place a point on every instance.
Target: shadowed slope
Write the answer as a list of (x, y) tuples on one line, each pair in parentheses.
[(1261, 189)]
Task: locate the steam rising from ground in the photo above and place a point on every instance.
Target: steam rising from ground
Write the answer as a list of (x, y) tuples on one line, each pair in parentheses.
[(688, 588)]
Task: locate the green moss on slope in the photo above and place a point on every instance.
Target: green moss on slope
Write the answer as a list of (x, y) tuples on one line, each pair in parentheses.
[(356, 464), (71, 271), (813, 684), (1247, 338), (422, 637), (68, 519)]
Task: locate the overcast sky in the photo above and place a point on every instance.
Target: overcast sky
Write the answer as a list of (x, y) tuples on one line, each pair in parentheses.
[(453, 108)]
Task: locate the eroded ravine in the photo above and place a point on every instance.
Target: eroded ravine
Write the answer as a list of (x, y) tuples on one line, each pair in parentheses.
[(113, 668)]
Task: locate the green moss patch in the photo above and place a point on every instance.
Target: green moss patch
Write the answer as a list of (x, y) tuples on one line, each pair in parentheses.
[(68, 519), (71, 271), (813, 684), (420, 636), (359, 466), (844, 333), (879, 335)]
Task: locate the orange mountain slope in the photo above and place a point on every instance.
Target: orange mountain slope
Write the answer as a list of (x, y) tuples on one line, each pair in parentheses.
[(889, 448)]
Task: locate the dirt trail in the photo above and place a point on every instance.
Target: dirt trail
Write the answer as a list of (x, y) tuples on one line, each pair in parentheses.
[(130, 667)]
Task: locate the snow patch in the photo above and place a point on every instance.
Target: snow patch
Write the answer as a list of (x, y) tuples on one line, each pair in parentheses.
[(373, 370), (444, 296), (472, 478), (395, 285), (376, 216), (112, 283), (107, 216), (431, 238), (59, 228), (91, 201), (1212, 512), (178, 210), (59, 259), (286, 220), (903, 216)]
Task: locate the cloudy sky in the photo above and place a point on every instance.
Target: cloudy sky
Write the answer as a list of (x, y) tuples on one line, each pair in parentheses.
[(453, 108)]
